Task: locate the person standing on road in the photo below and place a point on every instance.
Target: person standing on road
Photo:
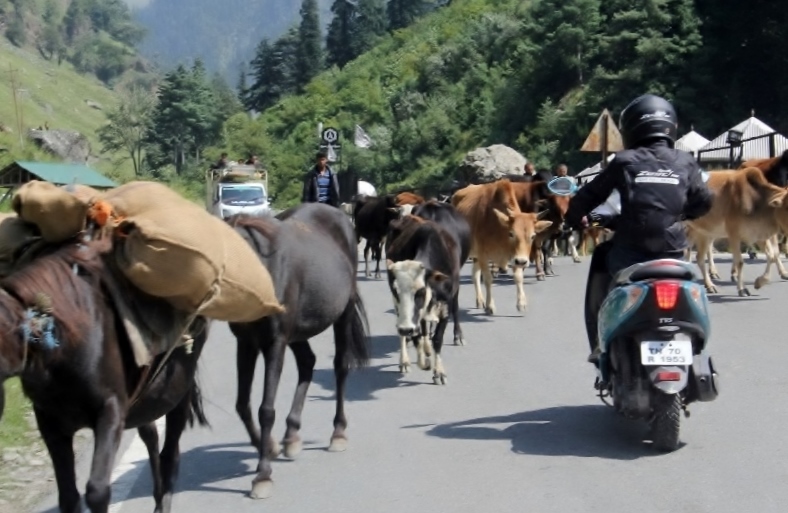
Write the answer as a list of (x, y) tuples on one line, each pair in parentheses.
[(321, 185)]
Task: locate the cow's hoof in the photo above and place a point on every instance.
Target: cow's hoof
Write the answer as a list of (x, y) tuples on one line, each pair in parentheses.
[(293, 448), (489, 310), (784, 276), (550, 273), (262, 489), (715, 276), (521, 307), (338, 444), (744, 293), (440, 379), (367, 275), (540, 277), (576, 260), (404, 368), (377, 276), (761, 281), (711, 289), (459, 341)]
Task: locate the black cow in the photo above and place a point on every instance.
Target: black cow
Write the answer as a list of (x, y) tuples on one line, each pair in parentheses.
[(423, 263), (372, 216)]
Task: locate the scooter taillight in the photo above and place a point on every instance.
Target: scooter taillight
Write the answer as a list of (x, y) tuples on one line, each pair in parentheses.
[(668, 376), (667, 293)]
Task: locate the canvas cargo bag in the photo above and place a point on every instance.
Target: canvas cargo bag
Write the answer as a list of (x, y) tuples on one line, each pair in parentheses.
[(84, 193), (58, 214), (171, 248), (14, 233)]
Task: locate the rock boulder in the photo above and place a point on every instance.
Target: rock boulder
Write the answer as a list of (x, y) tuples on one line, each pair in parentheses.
[(68, 145), (491, 163)]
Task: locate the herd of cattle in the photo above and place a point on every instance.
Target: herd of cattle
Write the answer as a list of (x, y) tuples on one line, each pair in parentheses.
[(505, 222)]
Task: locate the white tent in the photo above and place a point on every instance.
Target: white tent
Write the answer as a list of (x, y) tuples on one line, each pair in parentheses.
[(758, 149), (691, 142), (590, 173)]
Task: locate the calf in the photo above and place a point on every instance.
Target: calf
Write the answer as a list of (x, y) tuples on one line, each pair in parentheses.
[(447, 217), (424, 279), (372, 216), (500, 232)]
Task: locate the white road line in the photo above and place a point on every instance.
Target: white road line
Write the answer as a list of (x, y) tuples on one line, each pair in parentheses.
[(133, 462)]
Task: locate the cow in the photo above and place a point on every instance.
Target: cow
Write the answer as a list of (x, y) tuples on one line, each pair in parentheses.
[(500, 232), (423, 264), (746, 208), (447, 217), (406, 201), (372, 216)]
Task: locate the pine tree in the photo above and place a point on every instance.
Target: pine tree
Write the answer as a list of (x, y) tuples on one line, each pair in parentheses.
[(340, 42), (242, 86), (309, 59), (273, 71), (370, 24), (402, 13)]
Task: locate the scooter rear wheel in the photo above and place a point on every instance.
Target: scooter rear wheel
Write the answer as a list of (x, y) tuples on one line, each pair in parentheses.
[(666, 423)]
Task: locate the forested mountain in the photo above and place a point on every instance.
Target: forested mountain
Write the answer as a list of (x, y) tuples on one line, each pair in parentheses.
[(222, 33), (531, 74)]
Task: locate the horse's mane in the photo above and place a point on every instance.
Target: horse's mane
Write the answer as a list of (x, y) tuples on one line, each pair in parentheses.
[(52, 277)]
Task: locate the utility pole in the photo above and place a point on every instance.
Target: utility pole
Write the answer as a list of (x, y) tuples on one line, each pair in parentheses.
[(12, 73)]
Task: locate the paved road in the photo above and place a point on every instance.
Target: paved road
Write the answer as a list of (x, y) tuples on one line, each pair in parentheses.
[(516, 429)]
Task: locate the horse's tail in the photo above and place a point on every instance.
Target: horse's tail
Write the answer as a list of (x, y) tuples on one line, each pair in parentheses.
[(358, 345), (196, 410)]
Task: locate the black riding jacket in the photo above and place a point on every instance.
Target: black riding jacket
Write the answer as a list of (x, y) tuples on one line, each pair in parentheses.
[(659, 186)]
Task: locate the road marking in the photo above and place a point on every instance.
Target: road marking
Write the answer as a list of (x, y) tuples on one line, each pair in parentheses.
[(133, 462)]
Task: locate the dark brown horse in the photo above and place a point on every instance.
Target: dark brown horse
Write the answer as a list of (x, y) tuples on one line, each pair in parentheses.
[(311, 253), (64, 336)]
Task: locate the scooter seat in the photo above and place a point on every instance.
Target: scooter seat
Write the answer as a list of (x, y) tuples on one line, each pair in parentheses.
[(658, 269)]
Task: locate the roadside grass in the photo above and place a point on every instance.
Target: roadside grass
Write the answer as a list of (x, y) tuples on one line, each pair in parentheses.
[(14, 427)]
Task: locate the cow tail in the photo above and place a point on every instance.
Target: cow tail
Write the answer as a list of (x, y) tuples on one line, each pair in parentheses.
[(358, 353)]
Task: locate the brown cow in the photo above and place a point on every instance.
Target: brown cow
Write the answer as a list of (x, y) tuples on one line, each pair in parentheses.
[(500, 232), (406, 201), (746, 208)]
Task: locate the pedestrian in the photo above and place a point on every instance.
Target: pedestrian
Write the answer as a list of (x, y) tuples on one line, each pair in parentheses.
[(320, 184)]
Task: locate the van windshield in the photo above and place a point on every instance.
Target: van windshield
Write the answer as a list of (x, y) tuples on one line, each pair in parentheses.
[(242, 195)]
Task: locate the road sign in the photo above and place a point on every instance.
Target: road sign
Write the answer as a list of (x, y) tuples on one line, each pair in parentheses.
[(330, 135), (605, 136)]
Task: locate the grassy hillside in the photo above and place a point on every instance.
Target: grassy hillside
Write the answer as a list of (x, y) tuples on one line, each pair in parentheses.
[(52, 94)]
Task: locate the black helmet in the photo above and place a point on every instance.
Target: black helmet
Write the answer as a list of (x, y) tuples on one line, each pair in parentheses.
[(647, 117)]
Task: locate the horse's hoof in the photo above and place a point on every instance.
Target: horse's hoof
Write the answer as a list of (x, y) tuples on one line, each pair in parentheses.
[(262, 489), (338, 444), (440, 379), (761, 281), (404, 368), (744, 293), (540, 277), (275, 450), (293, 448)]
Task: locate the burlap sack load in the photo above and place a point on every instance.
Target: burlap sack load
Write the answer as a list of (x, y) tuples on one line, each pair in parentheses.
[(58, 214), (14, 233), (84, 193), (171, 248)]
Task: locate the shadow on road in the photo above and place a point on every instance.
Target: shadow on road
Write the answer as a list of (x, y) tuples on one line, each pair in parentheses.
[(584, 431), (733, 299)]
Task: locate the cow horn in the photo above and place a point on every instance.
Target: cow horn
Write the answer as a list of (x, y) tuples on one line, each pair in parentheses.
[(541, 215)]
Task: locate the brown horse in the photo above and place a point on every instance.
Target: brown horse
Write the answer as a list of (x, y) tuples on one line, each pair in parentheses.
[(311, 253), (64, 336)]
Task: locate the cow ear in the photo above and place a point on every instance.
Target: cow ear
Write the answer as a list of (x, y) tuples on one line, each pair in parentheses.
[(438, 277), (542, 226), (389, 264), (503, 218)]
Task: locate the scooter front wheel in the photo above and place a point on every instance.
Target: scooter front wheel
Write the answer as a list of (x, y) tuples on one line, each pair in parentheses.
[(666, 422)]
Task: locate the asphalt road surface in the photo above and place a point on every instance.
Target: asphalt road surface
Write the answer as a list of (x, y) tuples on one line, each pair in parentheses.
[(517, 428)]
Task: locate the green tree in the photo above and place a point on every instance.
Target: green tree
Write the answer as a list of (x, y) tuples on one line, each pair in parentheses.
[(309, 58), (273, 70), (402, 13), (370, 24), (340, 40), (128, 126)]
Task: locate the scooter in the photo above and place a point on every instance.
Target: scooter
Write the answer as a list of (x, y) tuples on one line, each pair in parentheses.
[(653, 330)]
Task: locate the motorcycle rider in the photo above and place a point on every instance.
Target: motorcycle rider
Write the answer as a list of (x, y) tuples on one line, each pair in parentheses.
[(659, 187)]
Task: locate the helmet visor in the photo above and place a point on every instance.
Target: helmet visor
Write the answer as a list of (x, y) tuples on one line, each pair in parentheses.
[(562, 186)]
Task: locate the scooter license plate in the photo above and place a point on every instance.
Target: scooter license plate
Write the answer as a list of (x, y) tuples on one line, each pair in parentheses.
[(670, 352)]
